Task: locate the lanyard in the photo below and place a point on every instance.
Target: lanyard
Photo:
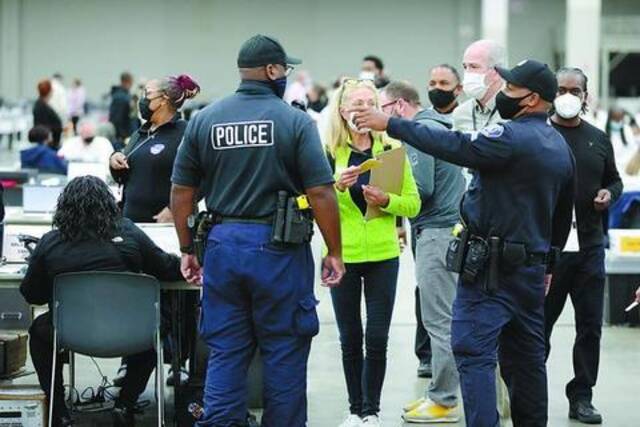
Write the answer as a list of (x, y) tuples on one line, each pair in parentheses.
[(473, 116), (149, 138)]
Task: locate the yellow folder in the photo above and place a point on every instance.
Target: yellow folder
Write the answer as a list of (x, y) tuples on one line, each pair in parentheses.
[(388, 176)]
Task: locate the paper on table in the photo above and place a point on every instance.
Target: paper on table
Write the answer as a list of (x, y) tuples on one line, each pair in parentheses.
[(389, 176), (163, 235), (14, 251), (12, 269)]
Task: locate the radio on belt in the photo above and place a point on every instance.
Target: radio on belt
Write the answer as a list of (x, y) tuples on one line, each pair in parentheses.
[(293, 223)]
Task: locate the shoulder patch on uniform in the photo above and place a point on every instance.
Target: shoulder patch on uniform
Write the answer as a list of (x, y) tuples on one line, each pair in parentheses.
[(493, 131), (250, 134)]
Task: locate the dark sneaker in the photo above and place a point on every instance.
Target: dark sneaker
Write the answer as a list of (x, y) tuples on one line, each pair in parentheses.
[(119, 379), (424, 370), (184, 377), (584, 412), (63, 421), (123, 416)]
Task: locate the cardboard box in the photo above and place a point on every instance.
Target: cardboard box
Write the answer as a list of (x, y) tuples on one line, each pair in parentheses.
[(13, 353), (22, 406)]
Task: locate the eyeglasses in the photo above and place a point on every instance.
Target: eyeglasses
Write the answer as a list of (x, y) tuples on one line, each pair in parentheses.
[(357, 82), (389, 104), (144, 93), (288, 69), (350, 82)]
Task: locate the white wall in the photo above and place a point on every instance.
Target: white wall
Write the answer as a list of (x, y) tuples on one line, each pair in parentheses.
[(535, 28), (96, 40)]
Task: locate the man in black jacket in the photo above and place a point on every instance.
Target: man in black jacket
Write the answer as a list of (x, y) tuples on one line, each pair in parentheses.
[(120, 107), (1, 203), (90, 235), (580, 270)]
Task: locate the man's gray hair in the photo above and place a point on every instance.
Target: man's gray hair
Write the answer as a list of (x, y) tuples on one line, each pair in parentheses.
[(496, 54), (402, 90)]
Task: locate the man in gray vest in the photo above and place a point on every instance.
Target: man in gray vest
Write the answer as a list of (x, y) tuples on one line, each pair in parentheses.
[(440, 185)]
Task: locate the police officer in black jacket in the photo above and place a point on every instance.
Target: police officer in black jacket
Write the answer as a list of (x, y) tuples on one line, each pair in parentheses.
[(90, 235), (520, 204)]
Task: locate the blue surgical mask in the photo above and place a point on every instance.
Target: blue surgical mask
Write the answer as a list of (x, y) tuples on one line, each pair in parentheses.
[(279, 86)]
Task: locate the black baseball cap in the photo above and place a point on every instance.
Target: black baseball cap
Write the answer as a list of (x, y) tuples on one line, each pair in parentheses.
[(261, 50), (533, 75)]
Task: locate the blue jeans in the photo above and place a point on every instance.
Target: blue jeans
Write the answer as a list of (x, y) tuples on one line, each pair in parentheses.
[(365, 375), (256, 294)]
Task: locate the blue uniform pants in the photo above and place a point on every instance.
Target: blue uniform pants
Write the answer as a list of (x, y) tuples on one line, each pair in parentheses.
[(510, 325), (256, 294)]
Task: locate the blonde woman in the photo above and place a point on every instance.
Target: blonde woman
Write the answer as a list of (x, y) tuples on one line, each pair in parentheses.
[(370, 250)]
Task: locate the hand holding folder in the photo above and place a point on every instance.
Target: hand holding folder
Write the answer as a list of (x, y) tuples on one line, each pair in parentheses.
[(388, 175)]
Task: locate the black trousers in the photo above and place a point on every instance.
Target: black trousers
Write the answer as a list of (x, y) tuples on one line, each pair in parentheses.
[(581, 276), (74, 121), (141, 366), (365, 375), (422, 341)]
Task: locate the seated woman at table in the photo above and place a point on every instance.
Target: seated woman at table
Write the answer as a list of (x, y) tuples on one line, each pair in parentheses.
[(40, 155), (90, 235)]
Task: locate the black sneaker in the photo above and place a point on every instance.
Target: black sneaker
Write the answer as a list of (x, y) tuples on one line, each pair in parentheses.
[(118, 381), (63, 421), (584, 412), (123, 416), (184, 377), (424, 370)]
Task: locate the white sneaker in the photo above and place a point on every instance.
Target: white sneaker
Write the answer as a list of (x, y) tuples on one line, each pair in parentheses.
[(371, 421), (352, 421)]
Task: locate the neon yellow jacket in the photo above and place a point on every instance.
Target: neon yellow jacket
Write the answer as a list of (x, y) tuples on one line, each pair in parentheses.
[(376, 239)]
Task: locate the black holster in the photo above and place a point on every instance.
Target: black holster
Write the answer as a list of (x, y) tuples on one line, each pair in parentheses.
[(476, 260), (291, 225), (457, 251), (200, 224)]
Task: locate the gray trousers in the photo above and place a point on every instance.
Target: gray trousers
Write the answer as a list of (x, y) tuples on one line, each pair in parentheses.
[(437, 288)]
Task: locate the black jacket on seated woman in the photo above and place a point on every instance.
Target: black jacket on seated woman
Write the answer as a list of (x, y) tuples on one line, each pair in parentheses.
[(90, 235)]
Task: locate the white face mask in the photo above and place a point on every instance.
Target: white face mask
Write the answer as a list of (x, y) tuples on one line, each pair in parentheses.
[(473, 85), (354, 127), (567, 106), (367, 75)]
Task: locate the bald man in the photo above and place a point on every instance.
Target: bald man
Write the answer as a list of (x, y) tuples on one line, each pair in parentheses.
[(480, 83)]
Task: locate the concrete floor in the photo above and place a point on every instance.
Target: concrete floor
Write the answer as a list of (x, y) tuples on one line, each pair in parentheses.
[(616, 395)]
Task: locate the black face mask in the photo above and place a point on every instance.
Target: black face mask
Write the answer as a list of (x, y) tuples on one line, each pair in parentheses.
[(441, 98), (509, 107), (88, 140), (144, 108), (279, 86)]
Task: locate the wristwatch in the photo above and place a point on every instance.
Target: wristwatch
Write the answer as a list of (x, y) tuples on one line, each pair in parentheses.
[(188, 250)]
